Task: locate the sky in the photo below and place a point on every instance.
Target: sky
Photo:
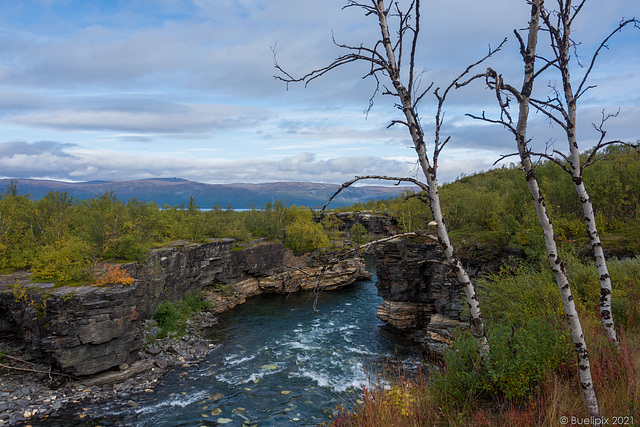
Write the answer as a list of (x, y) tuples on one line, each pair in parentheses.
[(134, 89)]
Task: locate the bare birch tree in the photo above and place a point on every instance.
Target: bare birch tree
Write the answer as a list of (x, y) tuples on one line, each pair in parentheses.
[(504, 93), (562, 110), (387, 58)]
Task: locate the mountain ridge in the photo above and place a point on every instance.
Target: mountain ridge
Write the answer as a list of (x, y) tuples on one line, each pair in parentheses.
[(175, 191)]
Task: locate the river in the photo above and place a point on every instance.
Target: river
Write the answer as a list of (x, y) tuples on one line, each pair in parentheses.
[(281, 360)]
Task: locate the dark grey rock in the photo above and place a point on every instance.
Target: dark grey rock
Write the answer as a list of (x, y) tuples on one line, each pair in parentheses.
[(155, 331), (420, 298), (153, 350)]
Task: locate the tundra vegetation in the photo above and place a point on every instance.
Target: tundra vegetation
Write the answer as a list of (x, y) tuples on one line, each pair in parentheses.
[(520, 370)]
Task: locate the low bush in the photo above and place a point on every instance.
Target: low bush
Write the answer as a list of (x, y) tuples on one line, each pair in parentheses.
[(128, 247), (520, 358), (171, 317), (304, 236), (167, 316), (112, 275)]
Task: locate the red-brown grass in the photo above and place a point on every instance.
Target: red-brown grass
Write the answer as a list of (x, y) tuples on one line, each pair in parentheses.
[(411, 402)]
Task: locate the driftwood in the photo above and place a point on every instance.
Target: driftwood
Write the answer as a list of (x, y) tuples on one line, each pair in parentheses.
[(36, 371)]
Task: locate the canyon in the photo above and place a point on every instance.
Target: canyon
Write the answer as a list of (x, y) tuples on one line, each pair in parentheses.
[(85, 330)]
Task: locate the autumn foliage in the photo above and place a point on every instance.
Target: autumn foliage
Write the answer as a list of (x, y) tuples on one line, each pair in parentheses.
[(112, 275)]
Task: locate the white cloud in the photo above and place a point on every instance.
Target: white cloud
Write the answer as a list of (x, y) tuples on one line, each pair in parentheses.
[(182, 119)]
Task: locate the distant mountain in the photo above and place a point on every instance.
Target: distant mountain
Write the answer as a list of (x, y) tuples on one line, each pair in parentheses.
[(177, 191)]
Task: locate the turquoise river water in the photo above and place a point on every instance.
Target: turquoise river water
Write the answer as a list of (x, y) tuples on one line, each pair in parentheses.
[(278, 362)]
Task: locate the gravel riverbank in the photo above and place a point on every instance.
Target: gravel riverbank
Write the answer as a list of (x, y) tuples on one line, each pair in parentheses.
[(30, 391)]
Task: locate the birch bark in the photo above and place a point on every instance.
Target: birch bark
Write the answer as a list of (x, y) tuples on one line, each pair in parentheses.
[(557, 266), (417, 136), (561, 39)]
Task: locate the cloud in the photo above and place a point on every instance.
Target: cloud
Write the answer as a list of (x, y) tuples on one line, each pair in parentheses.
[(67, 162), (23, 148), (168, 118)]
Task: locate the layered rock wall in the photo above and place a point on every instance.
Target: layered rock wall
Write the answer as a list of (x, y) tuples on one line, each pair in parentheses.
[(420, 298)]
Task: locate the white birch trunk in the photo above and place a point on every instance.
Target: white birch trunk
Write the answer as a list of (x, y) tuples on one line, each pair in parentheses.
[(476, 321), (557, 266), (576, 172), (606, 288)]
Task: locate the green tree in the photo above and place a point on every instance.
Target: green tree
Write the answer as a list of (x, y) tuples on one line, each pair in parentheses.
[(302, 233)]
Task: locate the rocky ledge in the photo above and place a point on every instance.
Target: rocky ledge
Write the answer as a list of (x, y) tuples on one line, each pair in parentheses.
[(420, 299), (84, 330), (31, 391)]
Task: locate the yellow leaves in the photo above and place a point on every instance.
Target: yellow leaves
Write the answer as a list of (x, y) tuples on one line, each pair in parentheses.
[(401, 399), (20, 294)]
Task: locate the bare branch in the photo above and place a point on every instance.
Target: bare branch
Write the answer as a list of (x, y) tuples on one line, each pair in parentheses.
[(360, 53), (576, 10), (424, 198), (368, 245), (396, 122), (414, 44), (505, 156), (561, 163), (542, 106), (601, 143), (419, 98), (2, 365), (552, 63), (439, 119), (603, 45), (398, 180), (508, 125)]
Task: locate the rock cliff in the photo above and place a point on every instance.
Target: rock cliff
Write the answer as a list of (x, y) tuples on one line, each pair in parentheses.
[(376, 225), (420, 298), (84, 329)]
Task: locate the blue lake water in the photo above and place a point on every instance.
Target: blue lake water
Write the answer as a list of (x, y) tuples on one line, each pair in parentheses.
[(280, 361)]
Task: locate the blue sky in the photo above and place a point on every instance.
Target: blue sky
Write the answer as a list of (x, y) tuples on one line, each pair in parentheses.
[(135, 89)]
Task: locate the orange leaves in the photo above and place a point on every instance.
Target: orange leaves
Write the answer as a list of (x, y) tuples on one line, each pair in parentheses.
[(112, 275)]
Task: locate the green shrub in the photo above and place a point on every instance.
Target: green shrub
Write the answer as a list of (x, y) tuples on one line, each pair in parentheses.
[(625, 304), (305, 235), (128, 247), (359, 234), (170, 317), (167, 316), (526, 328), (519, 293), (510, 226), (194, 303), (567, 228), (520, 358)]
